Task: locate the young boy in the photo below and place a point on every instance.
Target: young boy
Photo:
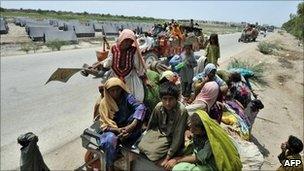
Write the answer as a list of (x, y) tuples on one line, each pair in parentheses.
[(290, 151), (187, 72), (164, 138)]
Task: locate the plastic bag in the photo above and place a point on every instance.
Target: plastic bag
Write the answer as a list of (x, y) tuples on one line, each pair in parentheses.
[(31, 158)]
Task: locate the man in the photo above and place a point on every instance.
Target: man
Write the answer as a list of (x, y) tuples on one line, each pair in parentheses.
[(290, 151)]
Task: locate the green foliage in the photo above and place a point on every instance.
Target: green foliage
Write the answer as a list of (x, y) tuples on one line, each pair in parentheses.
[(35, 47), (56, 44), (258, 70), (295, 25), (281, 32), (27, 47), (68, 15), (268, 48)]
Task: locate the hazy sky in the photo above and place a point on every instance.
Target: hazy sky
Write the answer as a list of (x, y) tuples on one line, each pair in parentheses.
[(264, 12)]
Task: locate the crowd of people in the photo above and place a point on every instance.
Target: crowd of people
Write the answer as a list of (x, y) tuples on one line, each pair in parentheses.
[(174, 117)]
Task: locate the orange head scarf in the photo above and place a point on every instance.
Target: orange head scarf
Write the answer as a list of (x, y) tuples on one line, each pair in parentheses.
[(108, 106)]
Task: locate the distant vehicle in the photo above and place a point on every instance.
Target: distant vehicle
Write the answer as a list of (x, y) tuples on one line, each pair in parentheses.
[(250, 33), (270, 28)]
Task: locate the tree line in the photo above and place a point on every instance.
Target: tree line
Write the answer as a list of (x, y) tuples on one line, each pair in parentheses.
[(295, 25)]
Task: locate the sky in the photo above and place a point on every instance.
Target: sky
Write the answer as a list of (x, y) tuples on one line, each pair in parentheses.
[(263, 12)]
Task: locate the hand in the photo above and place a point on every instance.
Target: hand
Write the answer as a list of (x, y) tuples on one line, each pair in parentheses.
[(123, 134), (165, 161), (116, 130), (221, 106), (217, 64), (148, 84), (188, 134), (283, 146), (170, 164)]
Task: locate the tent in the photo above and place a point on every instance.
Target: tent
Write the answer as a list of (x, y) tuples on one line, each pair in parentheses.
[(3, 26), (97, 27), (36, 33), (84, 31), (35, 24), (52, 35), (109, 29), (70, 25)]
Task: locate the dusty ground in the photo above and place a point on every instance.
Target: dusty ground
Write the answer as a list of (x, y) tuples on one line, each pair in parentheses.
[(283, 97)]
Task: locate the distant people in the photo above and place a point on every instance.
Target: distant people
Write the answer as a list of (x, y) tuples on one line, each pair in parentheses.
[(164, 138), (290, 151), (187, 71), (213, 50), (121, 116), (191, 24), (127, 63)]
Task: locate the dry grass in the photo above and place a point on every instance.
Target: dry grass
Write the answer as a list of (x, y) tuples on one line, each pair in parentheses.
[(285, 63)]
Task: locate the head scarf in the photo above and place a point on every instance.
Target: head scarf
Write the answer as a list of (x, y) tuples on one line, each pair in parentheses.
[(224, 151), (209, 94), (129, 34), (208, 68), (108, 106), (170, 76)]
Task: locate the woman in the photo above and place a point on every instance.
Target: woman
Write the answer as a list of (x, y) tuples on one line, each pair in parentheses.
[(127, 63), (209, 74), (213, 149), (121, 116), (205, 100), (207, 96), (238, 89)]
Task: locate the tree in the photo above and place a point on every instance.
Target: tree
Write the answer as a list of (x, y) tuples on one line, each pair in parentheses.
[(301, 9)]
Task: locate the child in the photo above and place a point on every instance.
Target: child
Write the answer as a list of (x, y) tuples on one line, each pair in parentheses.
[(164, 138), (291, 150), (212, 147), (213, 50), (202, 149), (187, 71)]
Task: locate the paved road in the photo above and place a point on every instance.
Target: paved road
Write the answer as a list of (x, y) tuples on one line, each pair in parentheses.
[(56, 112)]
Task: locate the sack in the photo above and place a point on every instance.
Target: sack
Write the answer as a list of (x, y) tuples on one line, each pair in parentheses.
[(31, 158), (228, 118)]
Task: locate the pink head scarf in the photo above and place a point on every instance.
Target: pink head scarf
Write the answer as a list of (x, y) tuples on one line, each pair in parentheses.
[(208, 94)]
